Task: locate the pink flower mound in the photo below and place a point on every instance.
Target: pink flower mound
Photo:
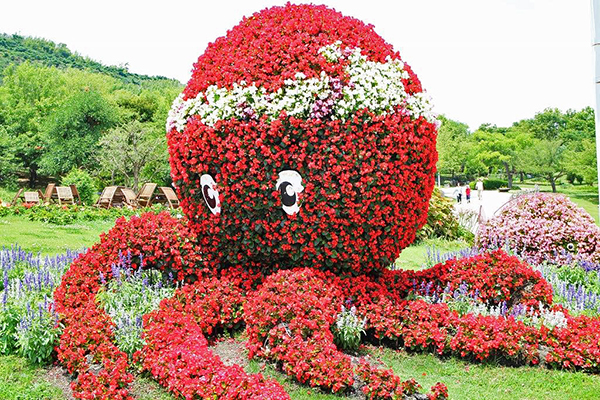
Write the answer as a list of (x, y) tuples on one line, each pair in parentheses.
[(544, 227)]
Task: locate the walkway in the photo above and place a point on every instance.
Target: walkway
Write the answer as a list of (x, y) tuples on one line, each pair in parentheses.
[(491, 201)]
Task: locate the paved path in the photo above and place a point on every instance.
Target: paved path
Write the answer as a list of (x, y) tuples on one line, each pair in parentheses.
[(491, 201)]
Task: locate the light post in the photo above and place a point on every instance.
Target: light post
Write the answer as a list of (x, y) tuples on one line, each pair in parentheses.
[(596, 46)]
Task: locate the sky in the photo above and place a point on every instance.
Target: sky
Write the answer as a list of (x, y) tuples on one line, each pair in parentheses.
[(482, 61)]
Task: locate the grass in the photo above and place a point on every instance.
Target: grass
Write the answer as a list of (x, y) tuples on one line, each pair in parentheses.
[(144, 388), (415, 256), (20, 380), (467, 381), (47, 238)]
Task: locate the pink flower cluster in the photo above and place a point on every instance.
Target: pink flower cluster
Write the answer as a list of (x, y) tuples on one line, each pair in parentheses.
[(544, 227)]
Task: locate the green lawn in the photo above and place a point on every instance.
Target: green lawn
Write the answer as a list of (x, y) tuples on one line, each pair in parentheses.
[(483, 381), (47, 238), (415, 256), (20, 380)]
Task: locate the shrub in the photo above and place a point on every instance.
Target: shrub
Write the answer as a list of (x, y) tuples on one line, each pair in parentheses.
[(37, 334), (543, 227), (69, 214), (441, 220), (290, 317), (160, 241), (27, 318), (334, 161), (84, 182), (175, 341), (493, 184), (348, 329)]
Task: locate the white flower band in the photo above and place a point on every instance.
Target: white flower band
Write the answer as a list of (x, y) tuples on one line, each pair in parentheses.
[(372, 85)]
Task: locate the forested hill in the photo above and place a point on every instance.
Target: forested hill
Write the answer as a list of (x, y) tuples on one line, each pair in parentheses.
[(18, 49)]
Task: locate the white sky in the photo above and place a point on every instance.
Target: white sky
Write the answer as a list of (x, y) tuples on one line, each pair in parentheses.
[(494, 61)]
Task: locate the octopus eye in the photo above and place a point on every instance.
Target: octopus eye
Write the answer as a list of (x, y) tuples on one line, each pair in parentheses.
[(289, 185), (210, 193)]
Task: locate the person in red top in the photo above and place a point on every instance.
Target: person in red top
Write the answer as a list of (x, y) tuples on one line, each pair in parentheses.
[(468, 193)]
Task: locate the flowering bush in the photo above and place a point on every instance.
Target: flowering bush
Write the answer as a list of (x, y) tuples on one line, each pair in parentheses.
[(494, 277), (348, 329), (441, 220), (289, 149), (159, 241), (543, 227), (27, 317)]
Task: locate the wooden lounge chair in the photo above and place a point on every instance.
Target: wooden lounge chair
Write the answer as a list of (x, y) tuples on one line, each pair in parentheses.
[(170, 198), (76, 195), (105, 199), (129, 196), (116, 196), (64, 195), (16, 198), (31, 197), (48, 193), (27, 197), (145, 195)]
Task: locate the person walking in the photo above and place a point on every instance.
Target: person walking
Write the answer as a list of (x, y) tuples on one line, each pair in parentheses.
[(479, 187), (468, 193), (458, 194)]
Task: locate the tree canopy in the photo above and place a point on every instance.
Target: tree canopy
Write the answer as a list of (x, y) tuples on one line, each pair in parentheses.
[(551, 144)]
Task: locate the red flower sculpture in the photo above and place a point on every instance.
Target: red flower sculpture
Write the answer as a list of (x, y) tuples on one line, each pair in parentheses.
[(303, 139)]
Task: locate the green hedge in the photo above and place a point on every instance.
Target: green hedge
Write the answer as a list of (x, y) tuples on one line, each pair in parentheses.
[(69, 214), (494, 184)]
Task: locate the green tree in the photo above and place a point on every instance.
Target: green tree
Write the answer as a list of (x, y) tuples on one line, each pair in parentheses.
[(9, 165), (84, 183), (28, 94), (501, 148), (580, 141), (549, 124), (546, 158), (580, 160), (74, 131), (564, 144), (452, 146), (126, 150)]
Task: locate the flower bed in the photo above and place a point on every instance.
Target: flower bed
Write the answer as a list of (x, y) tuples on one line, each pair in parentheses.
[(289, 321), (175, 334), (543, 227), (69, 214), (494, 277)]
